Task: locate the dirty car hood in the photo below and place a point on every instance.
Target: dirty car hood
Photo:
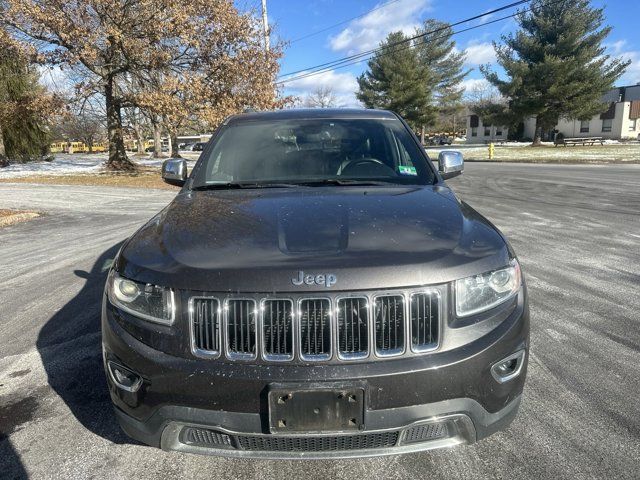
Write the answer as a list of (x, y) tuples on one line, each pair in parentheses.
[(259, 240)]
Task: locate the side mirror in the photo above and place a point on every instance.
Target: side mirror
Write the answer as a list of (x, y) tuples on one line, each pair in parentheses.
[(450, 163), (174, 171)]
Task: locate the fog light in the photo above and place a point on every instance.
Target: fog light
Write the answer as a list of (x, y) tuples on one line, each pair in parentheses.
[(508, 368), (124, 378)]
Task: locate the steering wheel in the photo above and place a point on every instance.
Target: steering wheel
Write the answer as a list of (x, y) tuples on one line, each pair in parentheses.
[(358, 162)]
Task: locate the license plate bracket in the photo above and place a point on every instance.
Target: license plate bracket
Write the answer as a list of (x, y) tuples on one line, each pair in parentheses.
[(316, 410)]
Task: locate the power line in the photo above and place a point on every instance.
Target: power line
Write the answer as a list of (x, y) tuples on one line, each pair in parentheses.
[(405, 47), (359, 56), (318, 32)]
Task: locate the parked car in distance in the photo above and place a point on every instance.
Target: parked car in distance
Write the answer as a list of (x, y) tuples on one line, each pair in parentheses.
[(163, 148), (315, 290), (198, 147)]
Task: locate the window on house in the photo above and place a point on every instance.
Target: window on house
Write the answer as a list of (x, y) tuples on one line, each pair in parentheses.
[(633, 124), (607, 124), (584, 126), (498, 131), (487, 131), (474, 131)]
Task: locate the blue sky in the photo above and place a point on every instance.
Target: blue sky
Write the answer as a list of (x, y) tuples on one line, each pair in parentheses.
[(292, 19)]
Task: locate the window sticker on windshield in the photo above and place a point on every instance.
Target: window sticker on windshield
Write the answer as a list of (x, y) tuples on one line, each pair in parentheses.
[(404, 170)]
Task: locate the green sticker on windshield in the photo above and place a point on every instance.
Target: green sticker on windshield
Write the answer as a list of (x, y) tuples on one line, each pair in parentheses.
[(404, 170)]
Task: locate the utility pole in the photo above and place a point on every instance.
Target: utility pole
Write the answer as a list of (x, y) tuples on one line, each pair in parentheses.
[(265, 25)]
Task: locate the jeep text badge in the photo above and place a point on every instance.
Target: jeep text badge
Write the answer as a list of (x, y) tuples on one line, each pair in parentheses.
[(323, 279)]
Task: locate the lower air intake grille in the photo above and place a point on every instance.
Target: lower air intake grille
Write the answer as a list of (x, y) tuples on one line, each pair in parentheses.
[(278, 329), (206, 324), (424, 321), (315, 329), (389, 319), (241, 328), (422, 433), (318, 443), (204, 437)]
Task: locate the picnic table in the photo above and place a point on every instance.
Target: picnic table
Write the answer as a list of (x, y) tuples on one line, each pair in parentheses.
[(578, 141)]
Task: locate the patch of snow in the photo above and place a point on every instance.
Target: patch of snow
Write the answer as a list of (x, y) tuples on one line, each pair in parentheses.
[(66, 164)]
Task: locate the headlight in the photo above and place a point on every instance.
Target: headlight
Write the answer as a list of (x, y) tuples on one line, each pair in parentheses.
[(482, 292), (146, 301)]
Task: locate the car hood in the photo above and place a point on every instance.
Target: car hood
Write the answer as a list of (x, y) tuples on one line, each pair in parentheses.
[(259, 240)]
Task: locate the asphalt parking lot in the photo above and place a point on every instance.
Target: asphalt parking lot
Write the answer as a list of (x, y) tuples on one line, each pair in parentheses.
[(576, 230)]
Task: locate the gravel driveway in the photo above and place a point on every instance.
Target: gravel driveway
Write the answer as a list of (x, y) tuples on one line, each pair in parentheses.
[(575, 228)]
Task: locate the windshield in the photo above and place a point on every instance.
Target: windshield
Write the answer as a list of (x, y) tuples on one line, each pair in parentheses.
[(314, 151)]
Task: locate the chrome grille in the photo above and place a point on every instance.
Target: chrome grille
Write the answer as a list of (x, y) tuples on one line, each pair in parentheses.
[(205, 314), (389, 320), (353, 327), (315, 328), (241, 328), (424, 321), (277, 329), (366, 326)]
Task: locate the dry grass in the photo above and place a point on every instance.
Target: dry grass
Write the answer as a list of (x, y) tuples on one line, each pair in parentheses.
[(11, 217), (145, 178)]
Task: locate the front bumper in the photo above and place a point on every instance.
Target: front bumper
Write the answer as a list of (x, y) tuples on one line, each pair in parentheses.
[(220, 408)]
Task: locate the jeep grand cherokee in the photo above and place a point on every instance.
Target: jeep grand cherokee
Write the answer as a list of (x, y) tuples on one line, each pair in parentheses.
[(315, 290)]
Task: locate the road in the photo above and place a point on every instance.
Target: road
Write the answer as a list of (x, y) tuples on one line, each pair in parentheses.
[(576, 230)]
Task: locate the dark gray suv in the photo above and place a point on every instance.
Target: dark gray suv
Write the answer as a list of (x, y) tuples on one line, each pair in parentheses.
[(315, 290)]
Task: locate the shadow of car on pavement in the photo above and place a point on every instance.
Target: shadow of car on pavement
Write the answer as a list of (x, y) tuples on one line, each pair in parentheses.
[(71, 351)]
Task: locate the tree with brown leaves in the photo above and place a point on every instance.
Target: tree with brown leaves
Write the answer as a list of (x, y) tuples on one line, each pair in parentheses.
[(204, 48)]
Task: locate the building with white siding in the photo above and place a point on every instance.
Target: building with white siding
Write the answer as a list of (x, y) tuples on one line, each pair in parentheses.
[(621, 121)]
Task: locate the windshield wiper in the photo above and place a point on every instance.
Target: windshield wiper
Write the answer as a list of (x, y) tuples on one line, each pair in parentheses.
[(345, 182), (248, 185)]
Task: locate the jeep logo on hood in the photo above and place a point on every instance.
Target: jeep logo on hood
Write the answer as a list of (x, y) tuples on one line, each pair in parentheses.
[(327, 280)]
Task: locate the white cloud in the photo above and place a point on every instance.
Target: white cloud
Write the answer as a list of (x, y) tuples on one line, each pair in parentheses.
[(480, 53), (620, 49), (367, 32), (470, 84), (55, 79), (344, 85)]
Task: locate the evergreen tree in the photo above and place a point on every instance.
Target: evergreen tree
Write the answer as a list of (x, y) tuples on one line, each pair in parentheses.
[(24, 107), (395, 80), (555, 63), (437, 51)]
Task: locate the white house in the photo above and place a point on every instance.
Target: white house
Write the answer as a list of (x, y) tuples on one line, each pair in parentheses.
[(477, 132), (621, 121)]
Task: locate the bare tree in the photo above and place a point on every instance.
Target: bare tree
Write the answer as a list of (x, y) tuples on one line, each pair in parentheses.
[(83, 126), (321, 97)]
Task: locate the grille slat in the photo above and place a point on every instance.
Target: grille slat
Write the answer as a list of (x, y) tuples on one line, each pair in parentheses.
[(315, 328), (278, 329), (353, 327), (389, 324), (424, 321), (206, 324), (241, 327)]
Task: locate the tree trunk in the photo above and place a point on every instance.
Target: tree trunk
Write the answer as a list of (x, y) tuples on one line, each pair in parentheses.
[(139, 140), (4, 161), (173, 138), (537, 139), (422, 135), (157, 140), (117, 154)]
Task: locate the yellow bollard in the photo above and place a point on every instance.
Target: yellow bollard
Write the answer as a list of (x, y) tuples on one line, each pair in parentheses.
[(492, 151)]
